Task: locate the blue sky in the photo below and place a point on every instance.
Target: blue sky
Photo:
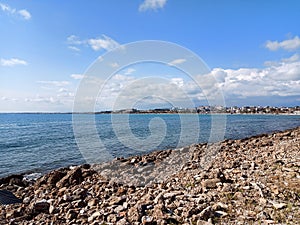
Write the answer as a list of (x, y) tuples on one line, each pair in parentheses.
[(253, 48)]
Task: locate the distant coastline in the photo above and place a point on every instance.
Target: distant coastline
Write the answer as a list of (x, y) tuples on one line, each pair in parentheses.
[(203, 110)]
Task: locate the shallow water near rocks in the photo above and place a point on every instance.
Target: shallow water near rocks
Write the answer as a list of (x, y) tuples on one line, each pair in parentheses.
[(37, 143)]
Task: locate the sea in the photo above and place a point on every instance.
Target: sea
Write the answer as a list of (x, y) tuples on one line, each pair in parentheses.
[(36, 143)]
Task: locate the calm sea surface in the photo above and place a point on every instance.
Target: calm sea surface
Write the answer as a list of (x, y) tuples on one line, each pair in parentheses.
[(37, 143)]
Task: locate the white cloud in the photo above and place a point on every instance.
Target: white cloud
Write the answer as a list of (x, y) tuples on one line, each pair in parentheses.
[(97, 44), (177, 62), (77, 76), (12, 62), (74, 40), (64, 93), (74, 48), (293, 58), (22, 12), (129, 71), (54, 83), (4, 98), (105, 43), (152, 5), (279, 80), (114, 65), (282, 79), (289, 44), (177, 81), (42, 99), (25, 14)]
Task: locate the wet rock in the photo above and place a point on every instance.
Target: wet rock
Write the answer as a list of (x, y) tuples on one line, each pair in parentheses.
[(74, 176)]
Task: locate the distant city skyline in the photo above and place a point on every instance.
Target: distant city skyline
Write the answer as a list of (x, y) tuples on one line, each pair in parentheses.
[(252, 48)]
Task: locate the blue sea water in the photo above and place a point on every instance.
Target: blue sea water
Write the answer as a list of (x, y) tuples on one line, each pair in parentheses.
[(37, 143)]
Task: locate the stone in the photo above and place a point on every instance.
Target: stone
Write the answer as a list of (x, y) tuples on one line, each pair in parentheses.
[(94, 216), (112, 218), (41, 206), (279, 205), (203, 222), (55, 177), (53, 209), (220, 213), (71, 214), (210, 183), (74, 176), (115, 200), (67, 198), (26, 200), (206, 213), (133, 214), (275, 189), (220, 206), (147, 220), (118, 209), (122, 221), (172, 194), (10, 213), (93, 202)]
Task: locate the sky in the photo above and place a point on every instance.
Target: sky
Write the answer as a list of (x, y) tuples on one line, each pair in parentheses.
[(252, 49)]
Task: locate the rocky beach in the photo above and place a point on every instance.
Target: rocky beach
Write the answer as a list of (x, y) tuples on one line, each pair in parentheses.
[(255, 180)]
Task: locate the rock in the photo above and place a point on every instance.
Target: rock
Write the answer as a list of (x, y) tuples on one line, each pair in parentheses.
[(94, 216), (71, 214), (93, 202), (122, 221), (26, 200), (220, 206), (41, 206), (158, 211), (210, 183), (238, 195), (133, 214), (202, 222), (55, 177), (172, 194), (67, 198), (74, 176), (220, 213), (18, 180), (147, 220), (53, 209), (79, 203), (115, 200), (274, 189), (118, 209), (206, 213), (279, 205), (112, 218), (10, 213)]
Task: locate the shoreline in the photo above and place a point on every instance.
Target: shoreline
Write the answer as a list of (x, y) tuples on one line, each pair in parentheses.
[(34, 174), (145, 113), (251, 179)]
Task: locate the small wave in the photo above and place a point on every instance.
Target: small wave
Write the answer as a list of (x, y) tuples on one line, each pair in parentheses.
[(32, 176)]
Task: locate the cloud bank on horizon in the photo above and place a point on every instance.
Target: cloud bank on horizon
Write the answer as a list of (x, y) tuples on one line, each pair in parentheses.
[(53, 75)]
